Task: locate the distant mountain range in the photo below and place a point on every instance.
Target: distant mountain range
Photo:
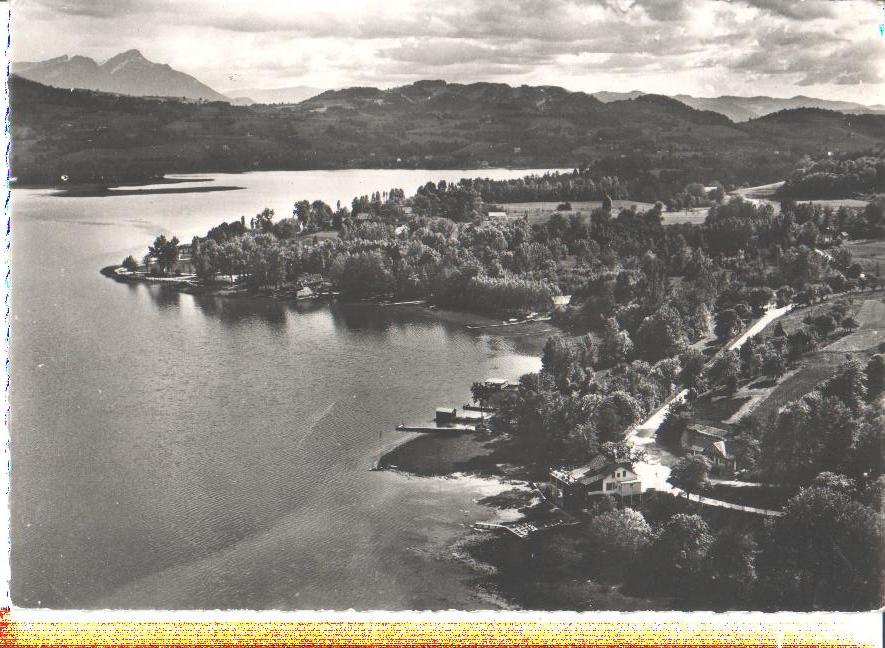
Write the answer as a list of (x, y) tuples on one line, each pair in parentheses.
[(740, 109), (291, 95), (126, 73), (132, 74), (91, 136)]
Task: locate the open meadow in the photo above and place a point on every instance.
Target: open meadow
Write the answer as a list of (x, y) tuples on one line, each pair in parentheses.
[(870, 253), (764, 396)]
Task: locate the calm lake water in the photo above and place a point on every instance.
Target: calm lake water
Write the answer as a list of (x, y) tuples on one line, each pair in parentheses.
[(173, 451)]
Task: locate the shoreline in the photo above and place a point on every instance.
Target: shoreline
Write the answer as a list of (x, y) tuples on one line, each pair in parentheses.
[(537, 328), (82, 188), (88, 186)]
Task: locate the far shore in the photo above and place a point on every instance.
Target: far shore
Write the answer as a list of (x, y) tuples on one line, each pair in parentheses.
[(92, 186), (105, 192)]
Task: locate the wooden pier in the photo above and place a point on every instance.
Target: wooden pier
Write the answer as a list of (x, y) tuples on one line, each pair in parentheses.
[(434, 429)]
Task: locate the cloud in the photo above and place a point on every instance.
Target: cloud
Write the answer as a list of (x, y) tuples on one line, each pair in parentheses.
[(724, 44), (796, 10)]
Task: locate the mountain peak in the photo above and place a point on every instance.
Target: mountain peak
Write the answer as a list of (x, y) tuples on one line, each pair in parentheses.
[(124, 58), (131, 55), (128, 72)]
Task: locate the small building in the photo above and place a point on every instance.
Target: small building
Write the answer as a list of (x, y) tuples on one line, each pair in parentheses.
[(712, 443), (575, 489), (446, 415), (496, 383), (185, 263), (497, 214)]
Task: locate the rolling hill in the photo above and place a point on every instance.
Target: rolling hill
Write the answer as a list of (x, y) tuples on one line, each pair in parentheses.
[(290, 95), (96, 137), (740, 109)]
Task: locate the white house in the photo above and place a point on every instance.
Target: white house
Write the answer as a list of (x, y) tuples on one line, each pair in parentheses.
[(576, 488)]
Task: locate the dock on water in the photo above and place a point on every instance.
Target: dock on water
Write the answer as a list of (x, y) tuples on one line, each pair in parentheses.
[(437, 429)]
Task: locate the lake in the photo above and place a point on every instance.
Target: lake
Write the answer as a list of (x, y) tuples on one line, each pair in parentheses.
[(180, 451)]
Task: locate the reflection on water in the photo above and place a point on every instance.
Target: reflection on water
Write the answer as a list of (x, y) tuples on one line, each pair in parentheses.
[(174, 450), (233, 310)]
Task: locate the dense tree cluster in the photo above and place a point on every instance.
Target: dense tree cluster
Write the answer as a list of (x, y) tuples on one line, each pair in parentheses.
[(579, 185), (836, 427), (837, 177), (566, 413), (824, 553)]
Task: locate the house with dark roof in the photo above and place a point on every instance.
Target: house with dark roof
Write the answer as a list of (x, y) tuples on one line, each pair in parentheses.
[(575, 489), (712, 443)]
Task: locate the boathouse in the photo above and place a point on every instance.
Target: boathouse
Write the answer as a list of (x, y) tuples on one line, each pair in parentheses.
[(446, 415)]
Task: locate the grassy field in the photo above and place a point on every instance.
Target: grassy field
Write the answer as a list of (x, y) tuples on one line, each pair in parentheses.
[(870, 253), (820, 365), (762, 398), (540, 212), (325, 235), (714, 410)]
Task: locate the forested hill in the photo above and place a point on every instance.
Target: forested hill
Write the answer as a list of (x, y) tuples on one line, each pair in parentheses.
[(96, 137)]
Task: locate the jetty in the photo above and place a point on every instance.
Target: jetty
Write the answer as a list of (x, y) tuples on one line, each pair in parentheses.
[(467, 407), (437, 429)]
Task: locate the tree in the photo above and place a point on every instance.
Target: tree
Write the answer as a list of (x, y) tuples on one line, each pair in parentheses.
[(617, 538), (850, 323), (784, 296), (482, 392), (618, 451), (728, 324), (614, 414), (836, 482), (824, 553), (800, 342), (130, 263), (848, 385), (726, 371), (615, 346), (660, 335), (693, 362), (361, 275), (557, 358), (165, 251), (774, 363), (678, 555), (824, 324), (263, 222), (875, 371), (691, 474), (732, 569), (677, 419), (760, 298)]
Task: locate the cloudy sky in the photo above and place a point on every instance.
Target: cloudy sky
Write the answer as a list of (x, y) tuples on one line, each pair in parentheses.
[(824, 48)]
